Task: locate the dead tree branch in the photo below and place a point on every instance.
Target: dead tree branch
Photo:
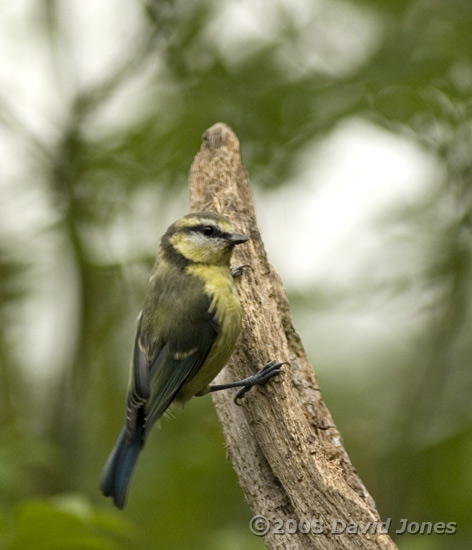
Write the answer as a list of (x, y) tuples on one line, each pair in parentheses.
[(282, 440)]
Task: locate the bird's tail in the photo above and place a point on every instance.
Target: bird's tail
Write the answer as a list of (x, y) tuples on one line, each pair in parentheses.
[(120, 465)]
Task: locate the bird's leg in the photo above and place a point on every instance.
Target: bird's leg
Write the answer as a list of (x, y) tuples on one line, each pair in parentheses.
[(236, 271), (261, 377)]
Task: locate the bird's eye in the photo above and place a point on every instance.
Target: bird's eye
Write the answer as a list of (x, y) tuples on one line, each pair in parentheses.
[(208, 230)]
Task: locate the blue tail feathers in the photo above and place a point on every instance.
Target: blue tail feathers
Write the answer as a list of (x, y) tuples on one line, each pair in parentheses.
[(120, 465)]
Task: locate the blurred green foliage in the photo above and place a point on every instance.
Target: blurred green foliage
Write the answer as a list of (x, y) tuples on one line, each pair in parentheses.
[(107, 186)]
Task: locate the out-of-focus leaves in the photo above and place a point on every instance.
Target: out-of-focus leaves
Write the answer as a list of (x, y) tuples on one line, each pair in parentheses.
[(66, 525), (427, 47), (26, 464), (111, 181), (13, 278)]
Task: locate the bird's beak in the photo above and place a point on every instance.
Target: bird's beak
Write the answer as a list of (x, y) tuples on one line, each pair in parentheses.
[(237, 238)]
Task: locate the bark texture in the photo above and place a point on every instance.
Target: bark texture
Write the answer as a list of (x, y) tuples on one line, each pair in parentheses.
[(282, 441)]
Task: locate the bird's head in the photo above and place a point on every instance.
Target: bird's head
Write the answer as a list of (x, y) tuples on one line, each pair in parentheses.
[(203, 237)]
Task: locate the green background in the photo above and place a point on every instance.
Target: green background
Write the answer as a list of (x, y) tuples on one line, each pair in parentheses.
[(101, 185)]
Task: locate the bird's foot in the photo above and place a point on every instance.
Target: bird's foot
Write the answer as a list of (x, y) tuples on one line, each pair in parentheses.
[(259, 378), (236, 271)]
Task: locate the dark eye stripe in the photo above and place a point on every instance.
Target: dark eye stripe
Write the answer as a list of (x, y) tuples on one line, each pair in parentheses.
[(204, 228)]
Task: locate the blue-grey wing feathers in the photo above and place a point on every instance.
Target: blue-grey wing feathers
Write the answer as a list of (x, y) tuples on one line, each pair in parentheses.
[(120, 465), (155, 383)]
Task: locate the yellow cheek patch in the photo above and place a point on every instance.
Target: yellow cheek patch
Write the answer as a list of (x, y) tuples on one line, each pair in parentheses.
[(196, 247), (181, 243)]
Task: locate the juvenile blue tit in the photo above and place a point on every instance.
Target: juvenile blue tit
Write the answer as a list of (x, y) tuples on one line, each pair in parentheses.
[(186, 332)]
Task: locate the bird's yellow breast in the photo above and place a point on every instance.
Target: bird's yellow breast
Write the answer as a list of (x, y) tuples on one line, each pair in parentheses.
[(219, 285), (226, 308)]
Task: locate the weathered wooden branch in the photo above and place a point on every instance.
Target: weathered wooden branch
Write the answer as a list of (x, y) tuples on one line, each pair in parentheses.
[(282, 440)]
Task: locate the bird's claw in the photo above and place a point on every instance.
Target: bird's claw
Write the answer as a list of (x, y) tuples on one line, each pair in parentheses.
[(260, 377), (236, 271)]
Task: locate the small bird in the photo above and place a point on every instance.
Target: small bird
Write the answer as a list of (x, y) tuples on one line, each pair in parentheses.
[(186, 333)]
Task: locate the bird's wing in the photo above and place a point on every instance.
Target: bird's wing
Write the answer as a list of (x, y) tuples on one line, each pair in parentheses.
[(156, 382), (169, 376)]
